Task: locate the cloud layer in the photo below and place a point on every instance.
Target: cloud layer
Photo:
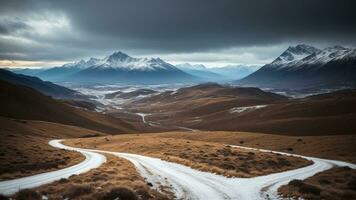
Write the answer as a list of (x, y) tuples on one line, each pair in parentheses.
[(178, 30)]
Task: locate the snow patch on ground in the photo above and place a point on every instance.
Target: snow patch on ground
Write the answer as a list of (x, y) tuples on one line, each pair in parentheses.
[(246, 108), (143, 115)]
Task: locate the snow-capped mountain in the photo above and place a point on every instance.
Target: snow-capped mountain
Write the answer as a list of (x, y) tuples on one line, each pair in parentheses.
[(62, 72), (118, 68), (305, 66), (234, 72), (122, 61), (293, 55), (201, 71), (188, 66), (225, 73)]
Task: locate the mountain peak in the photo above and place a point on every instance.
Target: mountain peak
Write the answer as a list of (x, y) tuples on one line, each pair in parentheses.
[(295, 53), (190, 66), (336, 48), (118, 55), (302, 49)]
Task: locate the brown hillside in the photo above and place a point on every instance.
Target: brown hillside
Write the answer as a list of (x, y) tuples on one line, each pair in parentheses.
[(25, 103)]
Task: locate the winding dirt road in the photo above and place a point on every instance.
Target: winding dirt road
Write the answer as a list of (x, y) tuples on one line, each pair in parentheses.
[(185, 182)]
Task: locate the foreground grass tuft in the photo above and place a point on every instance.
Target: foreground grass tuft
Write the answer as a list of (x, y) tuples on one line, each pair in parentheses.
[(28, 194)]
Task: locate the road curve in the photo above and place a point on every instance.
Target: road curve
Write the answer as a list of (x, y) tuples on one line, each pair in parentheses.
[(185, 182), (92, 160), (268, 185), (188, 183)]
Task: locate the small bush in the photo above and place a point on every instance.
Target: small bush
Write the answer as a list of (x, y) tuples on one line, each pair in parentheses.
[(309, 189), (352, 185), (99, 177), (28, 194), (63, 180), (324, 182), (78, 190), (296, 183), (290, 149), (120, 193), (143, 194)]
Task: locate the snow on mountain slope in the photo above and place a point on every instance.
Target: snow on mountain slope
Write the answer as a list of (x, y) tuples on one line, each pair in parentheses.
[(329, 54), (201, 71), (118, 68), (225, 73), (305, 66), (189, 66), (234, 72), (119, 60), (293, 55)]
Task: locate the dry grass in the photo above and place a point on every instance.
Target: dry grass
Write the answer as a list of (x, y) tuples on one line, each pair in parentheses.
[(333, 184), (205, 156), (339, 147), (117, 178), (24, 148), (19, 158)]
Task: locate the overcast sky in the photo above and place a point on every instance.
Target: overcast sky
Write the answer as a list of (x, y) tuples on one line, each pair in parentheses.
[(212, 32)]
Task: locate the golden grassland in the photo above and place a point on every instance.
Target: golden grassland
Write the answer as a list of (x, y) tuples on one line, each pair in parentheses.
[(201, 155)]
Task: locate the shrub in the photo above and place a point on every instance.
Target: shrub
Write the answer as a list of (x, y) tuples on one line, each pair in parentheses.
[(28, 194), (309, 189), (324, 182), (99, 177), (63, 180), (352, 185), (143, 194), (120, 193), (78, 190), (296, 183)]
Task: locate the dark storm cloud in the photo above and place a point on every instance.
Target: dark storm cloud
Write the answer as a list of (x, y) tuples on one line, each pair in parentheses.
[(8, 27), (183, 26)]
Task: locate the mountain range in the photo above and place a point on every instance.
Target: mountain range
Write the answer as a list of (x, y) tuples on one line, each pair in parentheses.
[(305, 66), (118, 68), (121, 68), (229, 72)]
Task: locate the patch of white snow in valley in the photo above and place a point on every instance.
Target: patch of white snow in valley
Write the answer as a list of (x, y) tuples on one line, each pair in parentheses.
[(246, 108), (92, 160), (143, 115)]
